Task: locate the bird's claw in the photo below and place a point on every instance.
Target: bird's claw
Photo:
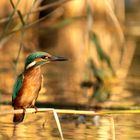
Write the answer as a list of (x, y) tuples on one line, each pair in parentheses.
[(35, 109), (24, 110)]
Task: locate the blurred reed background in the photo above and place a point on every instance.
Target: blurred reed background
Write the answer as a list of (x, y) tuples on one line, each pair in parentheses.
[(100, 39)]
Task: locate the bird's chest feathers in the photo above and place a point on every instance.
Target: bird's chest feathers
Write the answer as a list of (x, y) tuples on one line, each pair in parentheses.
[(32, 80), (30, 88)]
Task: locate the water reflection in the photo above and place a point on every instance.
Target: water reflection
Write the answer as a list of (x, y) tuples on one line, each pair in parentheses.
[(42, 126)]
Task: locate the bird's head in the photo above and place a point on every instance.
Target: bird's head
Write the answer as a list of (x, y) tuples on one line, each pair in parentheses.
[(36, 59)]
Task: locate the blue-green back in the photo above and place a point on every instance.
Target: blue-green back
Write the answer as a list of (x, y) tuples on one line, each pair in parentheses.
[(17, 86)]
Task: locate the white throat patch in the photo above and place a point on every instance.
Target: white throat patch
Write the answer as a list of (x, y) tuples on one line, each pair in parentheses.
[(31, 64)]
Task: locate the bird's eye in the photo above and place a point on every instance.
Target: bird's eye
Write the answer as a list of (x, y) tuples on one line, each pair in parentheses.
[(43, 57)]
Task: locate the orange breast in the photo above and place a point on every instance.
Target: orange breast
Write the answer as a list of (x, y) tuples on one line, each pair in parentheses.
[(30, 88)]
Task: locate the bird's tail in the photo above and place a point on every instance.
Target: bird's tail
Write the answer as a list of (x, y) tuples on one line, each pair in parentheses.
[(18, 118)]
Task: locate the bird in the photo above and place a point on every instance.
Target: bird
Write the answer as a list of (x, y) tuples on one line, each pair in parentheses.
[(28, 84)]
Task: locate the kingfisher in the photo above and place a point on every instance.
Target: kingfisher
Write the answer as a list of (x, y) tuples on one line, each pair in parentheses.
[(28, 83)]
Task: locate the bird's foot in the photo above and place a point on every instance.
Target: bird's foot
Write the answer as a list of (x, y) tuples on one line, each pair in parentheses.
[(24, 110), (34, 108)]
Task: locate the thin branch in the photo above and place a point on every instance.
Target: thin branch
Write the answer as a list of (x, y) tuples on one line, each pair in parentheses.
[(61, 111), (21, 17), (22, 33), (66, 111), (54, 4), (115, 20), (18, 12), (113, 128), (58, 124), (29, 25), (12, 4), (9, 18)]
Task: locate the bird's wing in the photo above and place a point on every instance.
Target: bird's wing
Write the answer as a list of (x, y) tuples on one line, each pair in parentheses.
[(17, 86)]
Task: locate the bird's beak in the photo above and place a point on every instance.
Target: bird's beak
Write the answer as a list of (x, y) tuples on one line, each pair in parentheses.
[(57, 58)]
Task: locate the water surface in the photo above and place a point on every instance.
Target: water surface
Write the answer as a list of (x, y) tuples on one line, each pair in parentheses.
[(42, 126)]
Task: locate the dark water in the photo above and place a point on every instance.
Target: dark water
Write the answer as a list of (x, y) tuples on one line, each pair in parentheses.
[(42, 126)]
